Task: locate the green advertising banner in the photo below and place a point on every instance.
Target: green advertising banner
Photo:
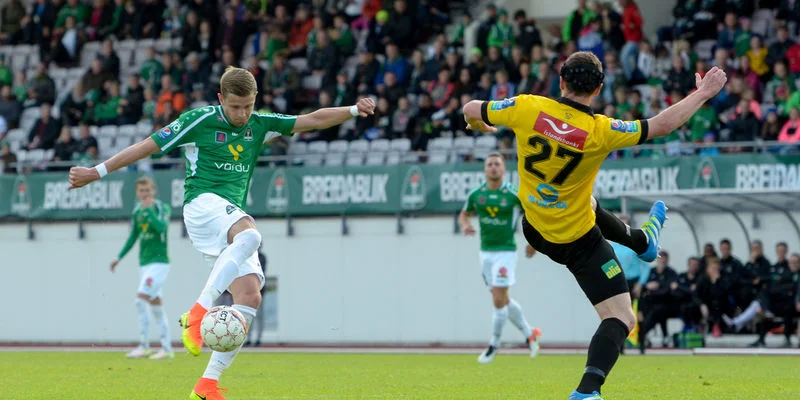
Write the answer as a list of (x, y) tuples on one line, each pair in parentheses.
[(307, 191)]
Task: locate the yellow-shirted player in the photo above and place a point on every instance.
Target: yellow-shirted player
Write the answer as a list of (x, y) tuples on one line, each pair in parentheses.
[(560, 145)]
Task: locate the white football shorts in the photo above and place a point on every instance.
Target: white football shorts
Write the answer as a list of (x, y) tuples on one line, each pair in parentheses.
[(499, 268), (151, 279)]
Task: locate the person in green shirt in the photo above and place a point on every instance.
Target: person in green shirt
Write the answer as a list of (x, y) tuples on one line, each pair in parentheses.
[(741, 43), (342, 35), (221, 145), (149, 226), (502, 34), (75, 9), (107, 112), (498, 209), (151, 69), (5, 72), (703, 121)]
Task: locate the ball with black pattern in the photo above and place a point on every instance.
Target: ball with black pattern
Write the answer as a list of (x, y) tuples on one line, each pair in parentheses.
[(223, 329)]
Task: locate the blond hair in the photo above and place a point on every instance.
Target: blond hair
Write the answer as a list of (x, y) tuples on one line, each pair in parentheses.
[(238, 82), (146, 180)]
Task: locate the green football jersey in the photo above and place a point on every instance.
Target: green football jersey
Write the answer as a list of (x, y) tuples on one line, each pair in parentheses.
[(150, 225), (221, 158), (498, 212)]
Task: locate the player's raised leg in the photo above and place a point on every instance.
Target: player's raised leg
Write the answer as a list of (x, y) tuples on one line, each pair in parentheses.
[(246, 292), (645, 241), (244, 240)]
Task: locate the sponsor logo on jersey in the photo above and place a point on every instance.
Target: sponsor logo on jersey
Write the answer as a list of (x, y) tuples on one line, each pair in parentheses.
[(278, 193), (230, 208), (145, 227), (149, 281), (611, 268), (414, 190), (176, 126), (248, 135), (560, 131), (20, 197), (706, 176), (624, 126), (548, 197), (236, 152), (221, 137), (165, 133), (501, 105)]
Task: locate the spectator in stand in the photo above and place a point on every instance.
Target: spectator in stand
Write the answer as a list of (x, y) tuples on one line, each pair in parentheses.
[(502, 89), (133, 102), (781, 256), (400, 27), (576, 20), (11, 20), (102, 15), (656, 302), (65, 146), (394, 63), (402, 119), (684, 291), (66, 46), (324, 59), (109, 58), (771, 128), (744, 127), (379, 33), (704, 121), (502, 34), (680, 78), (281, 82), (149, 106), (777, 51), (712, 291), (708, 140), (7, 158), (167, 116), (41, 87), (45, 131), (529, 34), (741, 44), (525, 84), (169, 92), (197, 73), (392, 91), (94, 79), (367, 68), (5, 71), (485, 27), (728, 33), (75, 108), (10, 108), (758, 57), (496, 62), (342, 35), (441, 89), (591, 40), (87, 150), (344, 94), (151, 69), (790, 133), (107, 112), (632, 29)]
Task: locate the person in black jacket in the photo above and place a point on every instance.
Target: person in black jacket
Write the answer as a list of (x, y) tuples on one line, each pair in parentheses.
[(731, 268), (755, 275), (45, 131), (713, 294), (684, 292), (656, 302)]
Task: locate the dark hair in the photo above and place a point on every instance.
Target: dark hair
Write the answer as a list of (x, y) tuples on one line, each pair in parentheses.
[(782, 244), (724, 241), (582, 73)]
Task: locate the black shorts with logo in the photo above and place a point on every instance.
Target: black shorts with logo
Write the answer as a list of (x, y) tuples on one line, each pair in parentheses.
[(590, 259)]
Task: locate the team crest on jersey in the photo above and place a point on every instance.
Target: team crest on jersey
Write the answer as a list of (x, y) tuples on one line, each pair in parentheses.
[(502, 272), (503, 202), (560, 131), (221, 137), (248, 135), (230, 208), (165, 133), (481, 200), (149, 281)]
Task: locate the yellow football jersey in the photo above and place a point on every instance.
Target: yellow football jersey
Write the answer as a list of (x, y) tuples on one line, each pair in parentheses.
[(560, 146)]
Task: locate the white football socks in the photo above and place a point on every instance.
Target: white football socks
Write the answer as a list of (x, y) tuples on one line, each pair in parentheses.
[(518, 319), (219, 362), (226, 268), (499, 317), (143, 309), (160, 317), (747, 315)]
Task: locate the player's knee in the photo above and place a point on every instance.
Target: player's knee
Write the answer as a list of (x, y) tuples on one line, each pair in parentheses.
[(499, 298), (627, 318), (250, 239)]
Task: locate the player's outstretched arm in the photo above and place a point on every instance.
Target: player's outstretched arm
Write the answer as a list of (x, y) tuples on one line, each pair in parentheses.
[(327, 117), (474, 118), (675, 116), (82, 176)]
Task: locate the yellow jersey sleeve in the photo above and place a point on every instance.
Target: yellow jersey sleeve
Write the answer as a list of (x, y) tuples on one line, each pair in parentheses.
[(506, 112), (620, 134)]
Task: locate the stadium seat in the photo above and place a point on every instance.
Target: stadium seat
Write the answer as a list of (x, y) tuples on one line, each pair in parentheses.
[(377, 151), (75, 131), (398, 149), (356, 152), (163, 44), (144, 128), (15, 145), (35, 156), (128, 44), (300, 64), (49, 154), (312, 82), (16, 134), (105, 146), (439, 150), (336, 152), (316, 153), (108, 131), (484, 145), (297, 150), (19, 61), (22, 155), (463, 147), (127, 131)]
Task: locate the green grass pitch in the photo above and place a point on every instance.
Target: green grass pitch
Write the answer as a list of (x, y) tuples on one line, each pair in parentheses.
[(104, 375)]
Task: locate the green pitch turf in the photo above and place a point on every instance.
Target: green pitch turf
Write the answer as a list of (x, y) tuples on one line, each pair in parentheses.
[(75, 375)]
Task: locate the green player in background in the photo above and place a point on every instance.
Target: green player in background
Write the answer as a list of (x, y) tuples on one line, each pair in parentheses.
[(498, 210), (149, 225)]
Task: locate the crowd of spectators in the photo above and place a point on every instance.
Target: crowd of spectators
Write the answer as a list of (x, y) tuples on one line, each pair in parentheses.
[(719, 293), (311, 54)]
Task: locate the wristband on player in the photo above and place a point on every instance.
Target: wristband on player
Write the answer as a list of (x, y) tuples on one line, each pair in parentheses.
[(101, 169), (354, 110)]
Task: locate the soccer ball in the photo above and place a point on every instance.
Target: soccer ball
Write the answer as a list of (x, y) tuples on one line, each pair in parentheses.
[(223, 329)]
